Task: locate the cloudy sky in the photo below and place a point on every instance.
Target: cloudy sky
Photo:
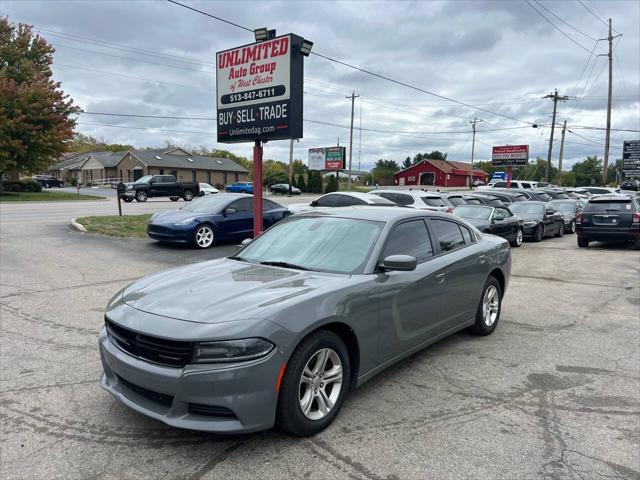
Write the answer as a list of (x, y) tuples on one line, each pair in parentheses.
[(157, 58)]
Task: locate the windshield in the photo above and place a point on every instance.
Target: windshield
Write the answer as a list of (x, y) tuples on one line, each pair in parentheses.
[(326, 244), (144, 179), (208, 204), (526, 207), (566, 207), (481, 213)]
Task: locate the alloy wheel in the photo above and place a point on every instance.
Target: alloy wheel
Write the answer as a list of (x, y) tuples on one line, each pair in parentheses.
[(490, 305), (204, 236), (141, 196), (519, 237), (188, 196), (320, 384), (572, 227)]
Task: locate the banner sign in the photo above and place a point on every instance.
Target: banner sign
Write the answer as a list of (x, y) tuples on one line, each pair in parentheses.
[(328, 158), (631, 158), (259, 91), (510, 156)]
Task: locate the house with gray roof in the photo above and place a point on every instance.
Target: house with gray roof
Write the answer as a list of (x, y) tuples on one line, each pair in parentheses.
[(107, 167)]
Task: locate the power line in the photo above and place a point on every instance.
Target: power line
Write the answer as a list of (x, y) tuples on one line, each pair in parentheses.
[(594, 15), (566, 23), (557, 28), (210, 15)]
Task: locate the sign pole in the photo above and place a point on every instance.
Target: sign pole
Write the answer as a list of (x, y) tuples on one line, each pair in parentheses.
[(509, 171), (257, 188)]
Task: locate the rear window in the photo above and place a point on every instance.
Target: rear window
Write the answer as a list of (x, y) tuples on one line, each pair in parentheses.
[(433, 201), (608, 206), (457, 200), (399, 198)]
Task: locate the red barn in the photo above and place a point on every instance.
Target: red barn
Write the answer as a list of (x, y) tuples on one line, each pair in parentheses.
[(442, 173)]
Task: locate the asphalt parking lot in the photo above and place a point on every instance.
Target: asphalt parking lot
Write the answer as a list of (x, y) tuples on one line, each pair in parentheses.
[(553, 393)]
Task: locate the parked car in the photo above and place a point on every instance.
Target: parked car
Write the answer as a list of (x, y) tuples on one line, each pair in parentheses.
[(600, 190), (556, 193), (495, 220), (283, 188), (580, 191), (540, 219), (630, 184), (281, 331), (212, 219), (516, 184), (609, 218), (240, 187), (458, 198), (507, 196), (47, 181), (206, 189), (341, 199), (159, 186), (538, 195), (487, 199), (569, 210), (424, 200)]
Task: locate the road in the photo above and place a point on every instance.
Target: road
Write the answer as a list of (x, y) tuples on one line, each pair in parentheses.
[(553, 393)]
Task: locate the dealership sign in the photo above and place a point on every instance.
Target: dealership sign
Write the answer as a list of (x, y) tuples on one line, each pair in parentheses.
[(259, 91), (510, 156), (328, 158), (631, 158)]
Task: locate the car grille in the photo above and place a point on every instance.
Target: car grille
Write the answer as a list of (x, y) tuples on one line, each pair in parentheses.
[(157, 350), (159, 229), (210, 410), (160, 398)]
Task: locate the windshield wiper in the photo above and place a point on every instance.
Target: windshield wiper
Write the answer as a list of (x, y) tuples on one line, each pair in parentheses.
[(284, 265)]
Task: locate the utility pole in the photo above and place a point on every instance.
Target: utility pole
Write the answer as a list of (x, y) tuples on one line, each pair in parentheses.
[(290, 166), (559, 178), (608, 134), (473, 148), (353, 97), (555, 97)]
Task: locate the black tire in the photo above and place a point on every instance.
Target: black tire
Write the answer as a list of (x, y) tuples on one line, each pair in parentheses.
[(636, 244), (289, 415), (141, 196), (47, 185), (480, 327), (228, 190), (174, 199), (199, 234), (243, 191), (560, 230), (517, 242), (127, 199), (583, 242), (572, 226), (539, 235), (187, 195)]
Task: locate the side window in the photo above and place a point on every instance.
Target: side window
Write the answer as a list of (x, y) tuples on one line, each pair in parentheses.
[(501, 213), (169, 179), (243, 205), (526, 185), (347, 201), (409, 238), (448, 234), (269, 205), (328, 201), (466, 234), (402, 199), (500, 185)]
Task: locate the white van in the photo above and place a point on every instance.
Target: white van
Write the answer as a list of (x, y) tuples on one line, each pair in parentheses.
[(523, 184)]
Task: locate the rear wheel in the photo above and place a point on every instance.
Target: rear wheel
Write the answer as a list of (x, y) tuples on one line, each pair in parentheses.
[(243, 191), (539, 233), (488, 312), (187, 195), (583, 242), (203, 236), (636, 244), (141, 196), (518, 240), (314, 384)]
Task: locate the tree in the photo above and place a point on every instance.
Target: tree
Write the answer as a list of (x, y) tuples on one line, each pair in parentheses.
[(76, 182), (85, 143), (383, 171), (314, 184), (407, 163), (35, 114), (332, 184), (588, 171), (300, 183)]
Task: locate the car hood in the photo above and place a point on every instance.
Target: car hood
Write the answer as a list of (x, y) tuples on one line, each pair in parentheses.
[(529, 217), (303, 207), (172, 216), (223, 290)]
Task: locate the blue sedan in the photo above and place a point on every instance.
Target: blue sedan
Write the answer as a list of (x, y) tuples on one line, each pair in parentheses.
[(240, 187), (225, 217)]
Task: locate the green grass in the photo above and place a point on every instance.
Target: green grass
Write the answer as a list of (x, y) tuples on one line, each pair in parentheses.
[(44, 197), (115, 226)]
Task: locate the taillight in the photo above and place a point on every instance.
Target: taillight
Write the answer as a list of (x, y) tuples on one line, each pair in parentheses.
[(635, 218), (579, 218)]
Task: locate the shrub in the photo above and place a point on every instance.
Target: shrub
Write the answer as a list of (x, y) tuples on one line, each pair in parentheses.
[(300, 183), (332, 185), (22, 186)]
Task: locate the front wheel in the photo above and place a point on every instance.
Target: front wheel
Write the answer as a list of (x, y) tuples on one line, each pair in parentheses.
[(141, 196), (187, 195), (46, 185), (489, 308), (518, 240), (560, 231), (203, 237), (314, 384), (539, 233)]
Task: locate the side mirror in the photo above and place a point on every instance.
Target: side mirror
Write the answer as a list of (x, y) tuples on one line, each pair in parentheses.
[(246, 242), (229, 211), (401, 263), (314, 203), (550, 211)]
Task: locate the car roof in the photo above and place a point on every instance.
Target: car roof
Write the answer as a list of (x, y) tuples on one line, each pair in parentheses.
[(475, 206), (380, 214), (606, 197), (370, 197)]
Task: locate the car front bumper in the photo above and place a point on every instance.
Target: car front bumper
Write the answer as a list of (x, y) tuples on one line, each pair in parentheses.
[(529, 230), (222, 398), (174, 234)]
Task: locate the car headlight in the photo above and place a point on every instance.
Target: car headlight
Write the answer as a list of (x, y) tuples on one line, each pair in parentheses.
[(529, 224), (231, 350), (129, 187), (186, 221)]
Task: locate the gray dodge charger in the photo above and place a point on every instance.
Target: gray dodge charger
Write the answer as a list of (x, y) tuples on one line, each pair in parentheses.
[(279, 333)]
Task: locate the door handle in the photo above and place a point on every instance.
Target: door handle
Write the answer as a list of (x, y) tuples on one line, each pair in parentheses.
[(440, 278)]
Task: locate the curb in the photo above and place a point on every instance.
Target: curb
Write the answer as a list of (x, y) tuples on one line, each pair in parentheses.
[(78, 226)]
